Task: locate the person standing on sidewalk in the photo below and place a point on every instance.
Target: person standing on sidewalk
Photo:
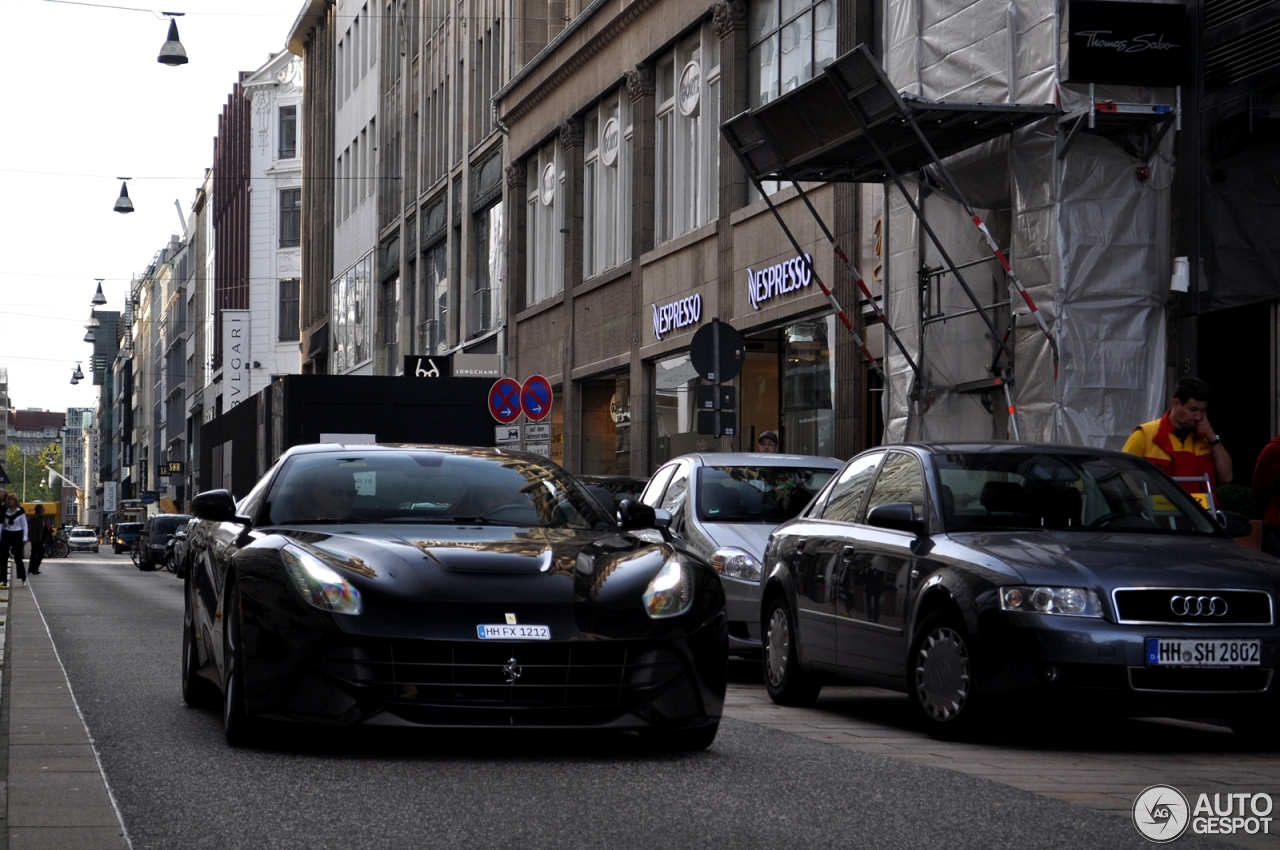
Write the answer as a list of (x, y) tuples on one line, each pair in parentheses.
[(40, 534), (1266, 492), (13, 536), (1182, 443)]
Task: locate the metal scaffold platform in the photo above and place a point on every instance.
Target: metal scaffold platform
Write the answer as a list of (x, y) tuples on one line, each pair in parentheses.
[(850, 125)]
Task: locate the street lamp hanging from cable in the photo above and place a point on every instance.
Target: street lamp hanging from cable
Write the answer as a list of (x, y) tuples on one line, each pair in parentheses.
[(98, 298), (123, 204), (172, 53)]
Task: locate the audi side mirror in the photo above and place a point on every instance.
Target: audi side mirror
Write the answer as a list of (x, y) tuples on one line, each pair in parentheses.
[(1236, 525), (896, 516)]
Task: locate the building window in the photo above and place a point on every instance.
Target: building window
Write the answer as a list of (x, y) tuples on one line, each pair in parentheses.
[(688, 135), (544, 247), (391, 325), (290, 218), (487, 295), (433, 332), (288, 310), (790, 41), (351, 316), (288, 132), (606, 187)]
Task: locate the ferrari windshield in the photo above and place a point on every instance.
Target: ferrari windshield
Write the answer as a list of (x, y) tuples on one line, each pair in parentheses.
[(984, 491), (429, 486), (767, 494)]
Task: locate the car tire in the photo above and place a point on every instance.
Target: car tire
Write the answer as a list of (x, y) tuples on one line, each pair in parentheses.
[(786, 682), (197, 691), (238, 727), (940, 681), (680, 740)]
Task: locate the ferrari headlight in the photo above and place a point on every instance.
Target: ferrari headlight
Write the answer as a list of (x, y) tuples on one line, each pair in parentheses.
[(670, 593), (1071, 601), (736, 563), (319, 583)]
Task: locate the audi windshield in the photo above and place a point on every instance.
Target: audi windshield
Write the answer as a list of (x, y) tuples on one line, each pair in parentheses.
[(1013, 491)]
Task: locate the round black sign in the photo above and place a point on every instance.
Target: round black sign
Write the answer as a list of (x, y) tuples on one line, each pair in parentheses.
[(733, 352)]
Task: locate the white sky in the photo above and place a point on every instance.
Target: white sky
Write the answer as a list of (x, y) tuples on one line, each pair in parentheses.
[(87, 102)]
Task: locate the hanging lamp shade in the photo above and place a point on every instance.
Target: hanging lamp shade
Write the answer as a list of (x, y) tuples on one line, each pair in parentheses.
[(93, 324), (74, 380), (98, 298), (123, 204), (77, 375), (172, 52), (89, 336)]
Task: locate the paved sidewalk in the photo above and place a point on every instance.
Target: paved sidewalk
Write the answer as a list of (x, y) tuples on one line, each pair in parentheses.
[(1101, 764), (56, 794)]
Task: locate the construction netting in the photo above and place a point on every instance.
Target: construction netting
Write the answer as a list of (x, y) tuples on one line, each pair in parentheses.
[(1087, 232)]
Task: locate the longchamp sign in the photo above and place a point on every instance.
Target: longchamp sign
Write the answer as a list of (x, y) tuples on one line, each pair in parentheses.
[(1135, 43)]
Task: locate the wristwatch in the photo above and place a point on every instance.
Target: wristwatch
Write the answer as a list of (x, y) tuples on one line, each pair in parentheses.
[(1216, 440)]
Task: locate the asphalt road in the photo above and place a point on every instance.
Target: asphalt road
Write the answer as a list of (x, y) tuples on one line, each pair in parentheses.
[(178, 784)]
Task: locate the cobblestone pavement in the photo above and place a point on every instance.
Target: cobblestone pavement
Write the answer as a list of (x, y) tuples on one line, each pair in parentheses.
[(1102, 764)]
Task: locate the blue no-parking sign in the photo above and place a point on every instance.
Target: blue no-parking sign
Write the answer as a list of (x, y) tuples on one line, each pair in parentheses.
[(535, 398), (504, 400)]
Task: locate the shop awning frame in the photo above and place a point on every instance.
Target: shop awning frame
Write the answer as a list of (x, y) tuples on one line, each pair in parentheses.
[(849, 124)]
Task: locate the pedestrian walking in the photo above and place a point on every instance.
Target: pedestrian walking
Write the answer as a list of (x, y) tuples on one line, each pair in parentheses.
[(41, 534), (13, 537), (1182, 443)]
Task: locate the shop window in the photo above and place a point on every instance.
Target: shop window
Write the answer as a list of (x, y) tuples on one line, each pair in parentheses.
[(351, 320), (544, 247), (675, 417), (606, 426), (688, 135), (606, 186), (808, 386)]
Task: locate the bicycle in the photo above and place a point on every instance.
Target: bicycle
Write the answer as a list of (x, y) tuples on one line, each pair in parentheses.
[(135, 552), (58, 548)]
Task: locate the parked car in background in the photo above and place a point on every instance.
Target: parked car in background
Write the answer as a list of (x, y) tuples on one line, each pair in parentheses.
[(723, 507), (126, 537), (82, 540), (155, 538), (438, 586), (175, 554), (968, 574), (613, 490)]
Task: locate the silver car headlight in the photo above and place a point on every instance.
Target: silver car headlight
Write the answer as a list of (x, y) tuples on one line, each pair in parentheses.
[(670, 592), (736, 563), (1070, 601), (319, 583)]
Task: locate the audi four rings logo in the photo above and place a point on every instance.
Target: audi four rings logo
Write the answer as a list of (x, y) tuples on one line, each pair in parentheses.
[(1198, 606)]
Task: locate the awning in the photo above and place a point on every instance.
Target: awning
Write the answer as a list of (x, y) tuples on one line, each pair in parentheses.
[(318, 343), (850, 125)]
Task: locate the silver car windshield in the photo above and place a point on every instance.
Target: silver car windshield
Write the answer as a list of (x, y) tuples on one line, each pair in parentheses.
[(426, 486), (1000, 491), (765, 494)]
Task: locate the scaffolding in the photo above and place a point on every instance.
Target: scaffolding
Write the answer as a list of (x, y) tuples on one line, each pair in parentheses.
[(849, 124)]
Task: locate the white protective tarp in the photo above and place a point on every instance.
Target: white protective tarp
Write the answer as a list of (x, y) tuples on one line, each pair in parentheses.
[(1090, 241)]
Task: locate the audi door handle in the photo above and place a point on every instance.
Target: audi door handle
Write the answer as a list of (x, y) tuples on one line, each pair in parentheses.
[(915, 573)]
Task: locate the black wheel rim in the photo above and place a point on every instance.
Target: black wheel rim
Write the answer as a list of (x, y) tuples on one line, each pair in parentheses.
[(777, 647), (942, 674)]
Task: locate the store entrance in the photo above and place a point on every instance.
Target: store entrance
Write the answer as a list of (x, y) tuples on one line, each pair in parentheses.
[(787, 386)]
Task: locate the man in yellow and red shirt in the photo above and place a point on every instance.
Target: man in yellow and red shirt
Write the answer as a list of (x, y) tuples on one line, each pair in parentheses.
[(1182, 442)]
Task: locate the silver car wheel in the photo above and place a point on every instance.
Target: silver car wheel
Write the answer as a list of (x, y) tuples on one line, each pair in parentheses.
[(942, 674), (778, 647)]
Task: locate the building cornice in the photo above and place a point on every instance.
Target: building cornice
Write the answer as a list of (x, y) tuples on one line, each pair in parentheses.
[(564, 70), (308, 19)]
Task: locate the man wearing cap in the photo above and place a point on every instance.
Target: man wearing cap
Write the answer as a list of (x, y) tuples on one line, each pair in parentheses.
[(768, 443)]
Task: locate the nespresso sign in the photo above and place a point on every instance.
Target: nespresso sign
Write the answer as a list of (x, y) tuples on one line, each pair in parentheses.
[(1134, 43)]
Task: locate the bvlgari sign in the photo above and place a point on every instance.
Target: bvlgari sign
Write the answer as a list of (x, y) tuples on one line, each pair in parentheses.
[(1134, 43)]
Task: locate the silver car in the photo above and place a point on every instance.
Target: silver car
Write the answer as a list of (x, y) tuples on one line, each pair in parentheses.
[(82, 539), (723, 507)]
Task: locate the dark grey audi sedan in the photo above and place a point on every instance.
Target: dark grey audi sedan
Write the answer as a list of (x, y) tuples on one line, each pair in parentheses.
[(969, 574)]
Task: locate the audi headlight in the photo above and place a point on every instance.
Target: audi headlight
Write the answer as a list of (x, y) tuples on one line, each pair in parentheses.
[(319, 583), (736, 563), (670, 593), (1071, 601)]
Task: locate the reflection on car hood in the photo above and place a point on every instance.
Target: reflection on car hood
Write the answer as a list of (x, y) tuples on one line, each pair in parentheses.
[(1083, 559), (750, 536)]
